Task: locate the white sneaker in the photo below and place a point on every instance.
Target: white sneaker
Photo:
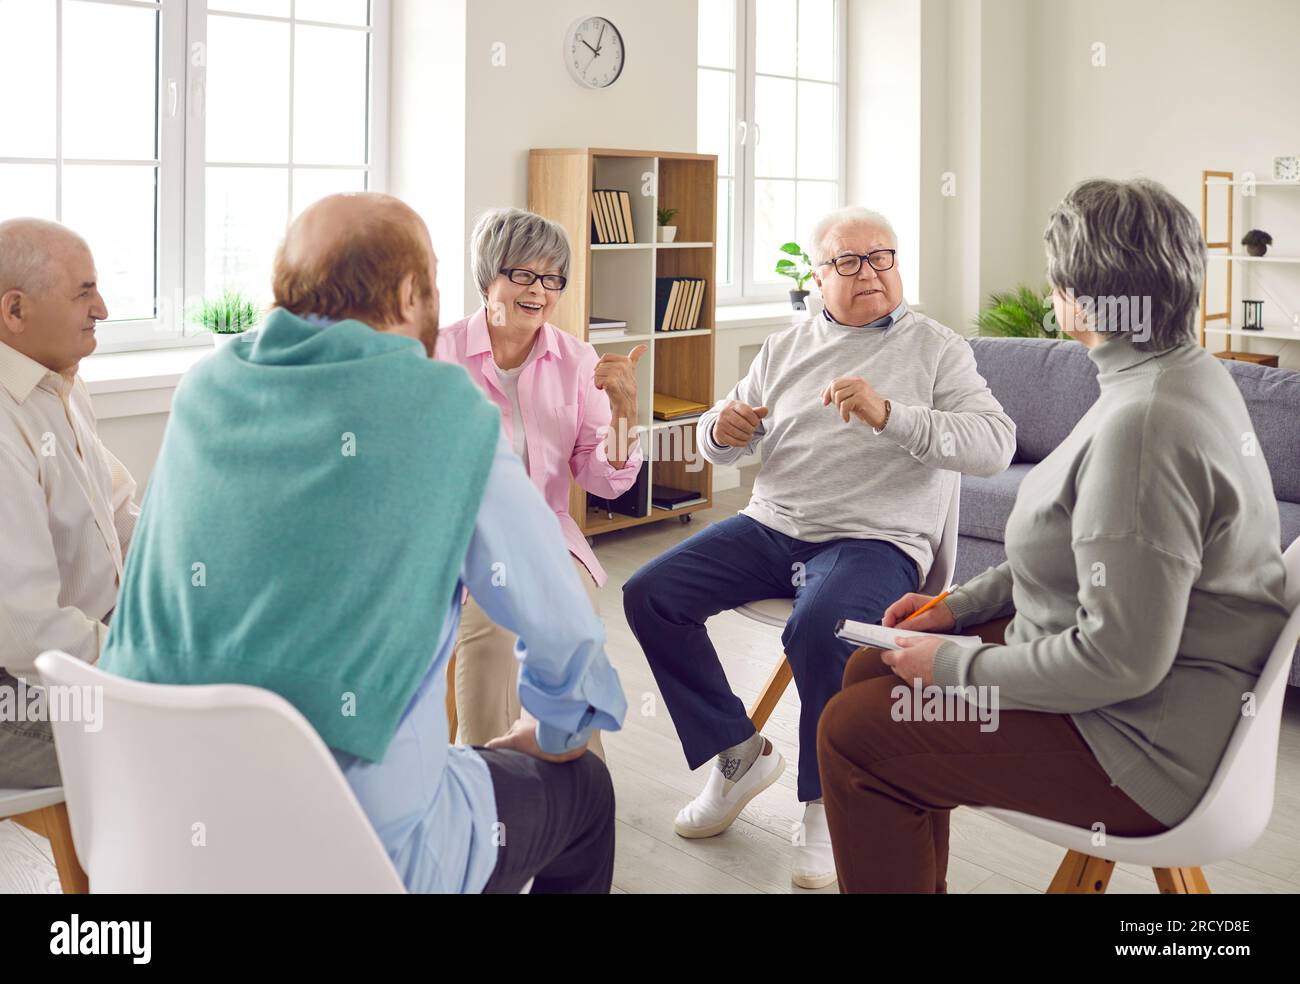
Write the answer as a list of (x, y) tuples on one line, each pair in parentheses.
[(714, 809), (814, 862)]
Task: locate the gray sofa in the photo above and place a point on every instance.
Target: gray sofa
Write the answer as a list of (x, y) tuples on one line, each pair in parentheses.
[(1046, 386)]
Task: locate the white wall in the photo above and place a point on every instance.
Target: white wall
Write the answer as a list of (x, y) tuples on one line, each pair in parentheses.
[(519, 95), (882, 94), (1186, 85)]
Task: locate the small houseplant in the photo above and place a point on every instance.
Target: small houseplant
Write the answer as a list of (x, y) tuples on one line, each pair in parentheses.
[(1257, 242), (1020, 313), (667, 233), (800, 271), (227, 316)]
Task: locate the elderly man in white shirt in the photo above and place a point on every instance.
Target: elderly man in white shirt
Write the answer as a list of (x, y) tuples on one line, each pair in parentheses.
[(67, 510)]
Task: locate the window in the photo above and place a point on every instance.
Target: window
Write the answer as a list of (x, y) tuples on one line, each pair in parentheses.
[(180, 136), (769, 75)]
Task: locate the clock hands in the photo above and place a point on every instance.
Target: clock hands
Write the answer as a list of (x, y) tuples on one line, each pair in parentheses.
[(595, 50)]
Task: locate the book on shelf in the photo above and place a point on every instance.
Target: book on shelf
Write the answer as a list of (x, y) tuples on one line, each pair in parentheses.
[(611, 217), (668, 498), (606, 328), (669, 407), (678, 302)]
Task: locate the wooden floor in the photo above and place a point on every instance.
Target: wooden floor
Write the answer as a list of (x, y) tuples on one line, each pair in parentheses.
[(652, 783)]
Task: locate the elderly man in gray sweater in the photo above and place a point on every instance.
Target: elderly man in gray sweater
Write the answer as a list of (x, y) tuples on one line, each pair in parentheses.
[(865, 415)]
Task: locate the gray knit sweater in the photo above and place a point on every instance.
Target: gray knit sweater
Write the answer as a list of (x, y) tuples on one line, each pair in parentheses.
[(1145, 576), (823, 479)]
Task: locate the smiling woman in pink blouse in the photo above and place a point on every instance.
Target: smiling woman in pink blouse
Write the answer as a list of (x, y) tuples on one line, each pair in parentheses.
[(562, 406)]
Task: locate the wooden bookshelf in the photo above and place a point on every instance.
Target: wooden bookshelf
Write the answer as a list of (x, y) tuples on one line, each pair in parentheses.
[(618, 281)]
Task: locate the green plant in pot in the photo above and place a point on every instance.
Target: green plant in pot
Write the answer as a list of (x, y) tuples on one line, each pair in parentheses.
[(1257, 242), (1025, 312), (667, 232), (800, 271), (227, 316)]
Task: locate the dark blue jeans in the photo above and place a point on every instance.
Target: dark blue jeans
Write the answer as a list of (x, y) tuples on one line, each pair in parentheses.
[(736, 561)]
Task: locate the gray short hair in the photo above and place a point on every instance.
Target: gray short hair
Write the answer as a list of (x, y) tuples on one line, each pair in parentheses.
[(1122, 243), (26, 257), (510, 237), (849, 215)]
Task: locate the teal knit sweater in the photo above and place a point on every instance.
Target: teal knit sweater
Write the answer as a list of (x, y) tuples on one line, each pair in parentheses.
[(306, 523)]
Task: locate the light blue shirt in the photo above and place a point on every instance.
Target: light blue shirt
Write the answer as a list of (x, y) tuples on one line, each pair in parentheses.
[(885, 322), (431, 803)]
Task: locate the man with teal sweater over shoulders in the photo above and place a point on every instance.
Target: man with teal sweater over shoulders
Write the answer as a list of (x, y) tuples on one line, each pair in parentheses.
[(324, 495)]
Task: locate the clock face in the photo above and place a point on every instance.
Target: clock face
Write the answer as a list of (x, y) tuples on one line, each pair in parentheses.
[(1286, 169), (593, 51)]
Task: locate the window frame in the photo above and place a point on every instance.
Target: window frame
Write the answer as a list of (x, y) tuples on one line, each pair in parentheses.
[(743, 287), (180, 214)]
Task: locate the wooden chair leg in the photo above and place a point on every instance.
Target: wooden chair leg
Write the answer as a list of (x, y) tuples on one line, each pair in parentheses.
[(452, 722), (1081, 874), (32, 821), (771, 693), (1181, 881), (51, 822)]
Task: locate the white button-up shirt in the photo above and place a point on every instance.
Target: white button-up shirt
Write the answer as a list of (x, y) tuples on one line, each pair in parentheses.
[(67, 512)]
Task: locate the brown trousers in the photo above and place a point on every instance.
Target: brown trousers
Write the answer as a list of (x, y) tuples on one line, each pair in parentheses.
[(890, 785)]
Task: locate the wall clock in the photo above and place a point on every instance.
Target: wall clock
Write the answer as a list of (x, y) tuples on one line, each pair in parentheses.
[(594, 52), (1286, 168)]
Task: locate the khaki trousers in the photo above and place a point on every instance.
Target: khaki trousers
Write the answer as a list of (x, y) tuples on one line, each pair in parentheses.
[(487, 674)]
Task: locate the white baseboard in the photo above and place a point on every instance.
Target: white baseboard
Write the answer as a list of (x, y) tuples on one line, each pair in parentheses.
[(725, 477), (728, 476)]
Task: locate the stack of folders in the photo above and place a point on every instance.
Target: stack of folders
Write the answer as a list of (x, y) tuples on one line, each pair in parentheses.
[(611, 217), (669, 499), (678, 301)]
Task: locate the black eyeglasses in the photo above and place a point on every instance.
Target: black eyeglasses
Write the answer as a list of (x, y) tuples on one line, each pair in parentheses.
[(849, 264), (526, 278)]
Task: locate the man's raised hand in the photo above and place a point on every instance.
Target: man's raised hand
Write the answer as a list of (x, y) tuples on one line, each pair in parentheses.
[(735, 426)]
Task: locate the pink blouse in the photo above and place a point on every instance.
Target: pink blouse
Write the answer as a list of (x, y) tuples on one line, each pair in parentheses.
[(565, 418)]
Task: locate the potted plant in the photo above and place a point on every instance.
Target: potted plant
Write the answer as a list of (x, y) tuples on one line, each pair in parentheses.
[(667, 233), (1020, 313), (1257, 242), (226, 317), (799, 271)]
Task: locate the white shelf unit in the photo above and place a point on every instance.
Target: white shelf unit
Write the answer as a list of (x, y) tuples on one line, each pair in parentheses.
[(1224, 249)]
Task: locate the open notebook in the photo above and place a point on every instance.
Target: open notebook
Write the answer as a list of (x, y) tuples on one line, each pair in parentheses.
[(865, 634)]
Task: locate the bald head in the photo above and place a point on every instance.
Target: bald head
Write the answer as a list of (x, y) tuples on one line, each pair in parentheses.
[(32, 253), (365, 257)]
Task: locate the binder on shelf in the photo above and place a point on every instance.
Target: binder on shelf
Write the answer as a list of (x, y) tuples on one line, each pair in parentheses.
[(610, 224), (669, 407), (611, 213), (678, 302), (668, 498), (600, 230), (625, 200), (634, 502)]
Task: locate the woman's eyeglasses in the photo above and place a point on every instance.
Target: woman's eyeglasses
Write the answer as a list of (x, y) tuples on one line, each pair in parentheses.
[(849, 264), (526, 278)]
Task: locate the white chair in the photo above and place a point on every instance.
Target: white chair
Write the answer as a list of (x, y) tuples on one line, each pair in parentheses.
[(209, 789), (1228, 820), (776, 611), (42, 811)]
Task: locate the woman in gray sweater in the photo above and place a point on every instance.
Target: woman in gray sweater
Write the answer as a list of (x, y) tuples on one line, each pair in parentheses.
[(1142, 591)]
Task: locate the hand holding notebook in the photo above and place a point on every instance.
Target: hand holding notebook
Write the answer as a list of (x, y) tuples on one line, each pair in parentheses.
[(865, 634)]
